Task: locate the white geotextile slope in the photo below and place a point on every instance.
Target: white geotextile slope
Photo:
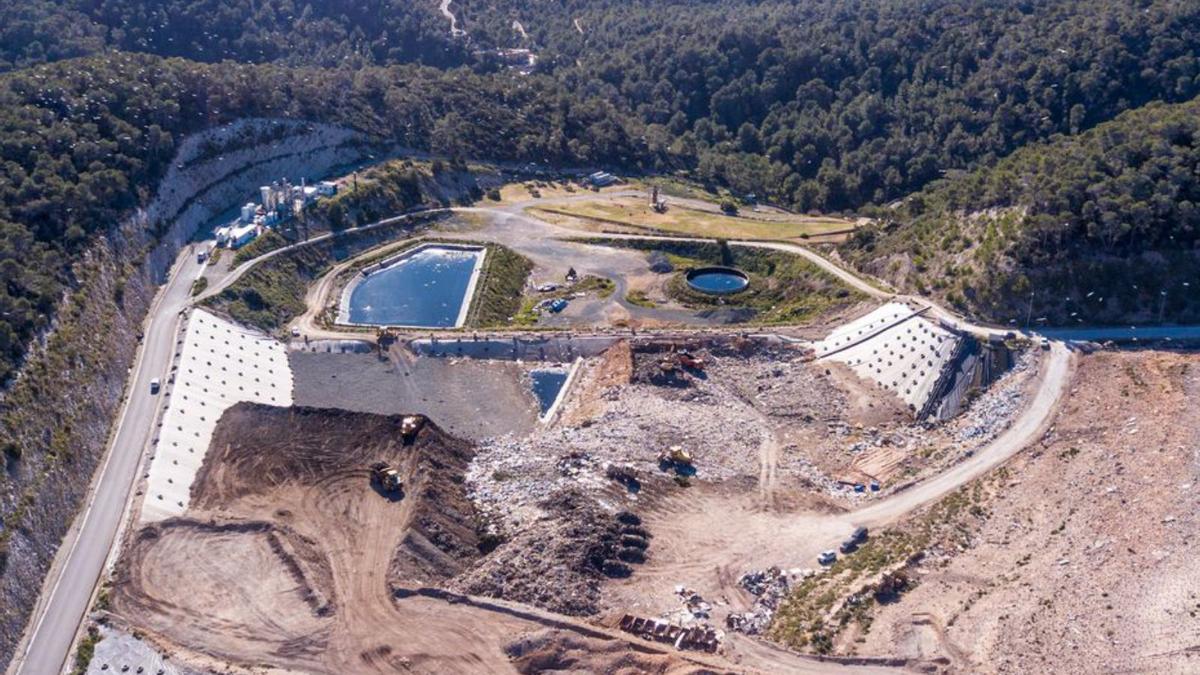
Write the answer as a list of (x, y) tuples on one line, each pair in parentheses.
[(895, 348), (220, 364)]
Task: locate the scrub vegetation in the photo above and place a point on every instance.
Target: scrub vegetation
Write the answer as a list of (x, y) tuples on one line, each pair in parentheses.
[(821, 106), (272, 292), (501, 286), (819, 609), (1096, 228)]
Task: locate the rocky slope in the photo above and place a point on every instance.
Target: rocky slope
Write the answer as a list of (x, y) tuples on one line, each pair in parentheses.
[(56, 416)]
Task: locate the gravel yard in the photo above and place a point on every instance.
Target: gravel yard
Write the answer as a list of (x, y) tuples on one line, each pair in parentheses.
[(471, 398)]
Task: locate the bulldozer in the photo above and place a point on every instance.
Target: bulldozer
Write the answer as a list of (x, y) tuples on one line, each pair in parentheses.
[(690, 360), (385, 337), (675, 457), (387, 476), (409, 426)]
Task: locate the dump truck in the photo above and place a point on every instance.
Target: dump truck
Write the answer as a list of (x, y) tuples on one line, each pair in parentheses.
[(386, 476), (409, 426)]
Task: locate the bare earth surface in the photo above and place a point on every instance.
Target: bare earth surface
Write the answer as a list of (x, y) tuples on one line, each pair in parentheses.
[(1088, 560), (289, 552)]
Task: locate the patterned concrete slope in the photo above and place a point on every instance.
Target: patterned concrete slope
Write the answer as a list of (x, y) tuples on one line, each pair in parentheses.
[(220, 364), (896, 348)]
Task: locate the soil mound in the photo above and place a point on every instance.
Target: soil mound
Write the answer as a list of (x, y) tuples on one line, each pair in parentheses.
[(261, 450), (291, 552), (555, 651)]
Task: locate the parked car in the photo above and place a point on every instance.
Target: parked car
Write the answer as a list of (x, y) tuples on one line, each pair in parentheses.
[(827, 557)]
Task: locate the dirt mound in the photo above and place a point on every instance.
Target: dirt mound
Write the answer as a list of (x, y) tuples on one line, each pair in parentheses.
[(555, 651), (257, 450), (662, 365), (1082, 553), (290, 554), (559, 562)]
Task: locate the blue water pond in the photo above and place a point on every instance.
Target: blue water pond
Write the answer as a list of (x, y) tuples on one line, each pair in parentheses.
[(717, 280), (546, 385), (427, 289)]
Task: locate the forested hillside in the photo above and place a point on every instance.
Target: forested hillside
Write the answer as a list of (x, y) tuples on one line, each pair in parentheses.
[(345, 33), (1102, 227), (823, 105), (84, 142)]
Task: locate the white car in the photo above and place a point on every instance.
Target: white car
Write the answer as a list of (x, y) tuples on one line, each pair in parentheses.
[(827, 557)]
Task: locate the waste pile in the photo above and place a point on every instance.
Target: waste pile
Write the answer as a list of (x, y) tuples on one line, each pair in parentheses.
[(770, 587), (991, 413), (559, 561)]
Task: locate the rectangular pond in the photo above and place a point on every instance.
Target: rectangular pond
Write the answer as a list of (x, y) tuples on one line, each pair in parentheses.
[(547, 384), (429, 286)]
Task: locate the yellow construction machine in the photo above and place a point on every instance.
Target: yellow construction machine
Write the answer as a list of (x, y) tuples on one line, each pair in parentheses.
[(675, 457), (387, 476)]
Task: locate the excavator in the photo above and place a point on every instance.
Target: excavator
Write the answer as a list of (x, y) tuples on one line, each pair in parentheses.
[(690, 360)]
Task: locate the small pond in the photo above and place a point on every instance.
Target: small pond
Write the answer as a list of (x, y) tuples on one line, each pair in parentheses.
[(427, 288), (717, 280), (546, 386)]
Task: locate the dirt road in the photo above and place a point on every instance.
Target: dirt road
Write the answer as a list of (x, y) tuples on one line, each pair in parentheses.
[(709, 536)]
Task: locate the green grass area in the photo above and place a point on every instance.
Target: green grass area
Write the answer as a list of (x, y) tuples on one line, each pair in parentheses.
[(634, 212), (266, 242), (498, 297), (783, 289), (590, 284)]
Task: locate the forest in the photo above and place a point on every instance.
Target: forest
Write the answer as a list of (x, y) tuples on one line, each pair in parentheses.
[(1102, 227), (822, 106)]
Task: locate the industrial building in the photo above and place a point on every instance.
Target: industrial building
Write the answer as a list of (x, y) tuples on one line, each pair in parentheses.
[(278, 202)]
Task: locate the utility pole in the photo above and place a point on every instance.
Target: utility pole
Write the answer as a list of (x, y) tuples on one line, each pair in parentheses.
[(1029, 312)]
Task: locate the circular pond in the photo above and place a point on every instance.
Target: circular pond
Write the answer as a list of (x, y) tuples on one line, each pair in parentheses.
[(717, 280)]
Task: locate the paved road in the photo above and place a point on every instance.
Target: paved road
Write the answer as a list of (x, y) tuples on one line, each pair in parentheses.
[(58, 617), (60, 613)]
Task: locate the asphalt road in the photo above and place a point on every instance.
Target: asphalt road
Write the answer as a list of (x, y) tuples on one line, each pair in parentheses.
[(59, 614)]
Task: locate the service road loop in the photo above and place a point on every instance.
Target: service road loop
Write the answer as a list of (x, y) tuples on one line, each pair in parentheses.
[(70, 586)]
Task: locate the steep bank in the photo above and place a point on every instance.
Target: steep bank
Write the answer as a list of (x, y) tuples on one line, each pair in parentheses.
[(56, 416)]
